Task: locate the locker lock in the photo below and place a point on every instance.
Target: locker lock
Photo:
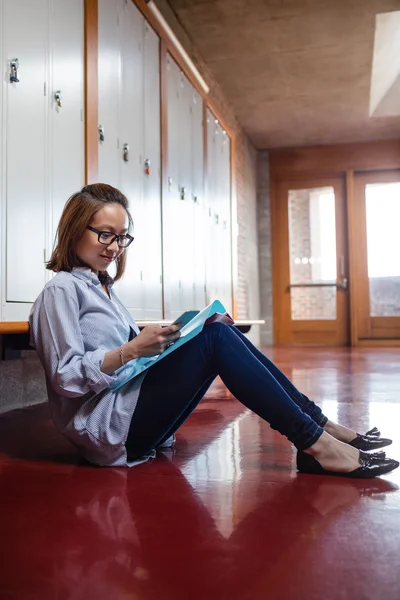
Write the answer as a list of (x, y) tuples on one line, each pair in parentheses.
[(101, 133), (195, 199), (216, 218), (14, 65), (147, 169), (58, 98), (125, 151), (183, 193)]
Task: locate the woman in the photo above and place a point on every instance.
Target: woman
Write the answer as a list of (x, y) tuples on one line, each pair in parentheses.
[(84, 336)]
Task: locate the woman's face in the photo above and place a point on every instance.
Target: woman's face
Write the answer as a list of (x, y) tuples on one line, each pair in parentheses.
[(111, 218)]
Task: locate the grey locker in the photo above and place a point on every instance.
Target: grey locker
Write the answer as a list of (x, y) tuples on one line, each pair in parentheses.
[(26, 131)]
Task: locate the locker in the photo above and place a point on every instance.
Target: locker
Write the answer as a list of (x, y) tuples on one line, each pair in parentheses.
[(67, 142), (151, 175), (186, 208), (130, 155), (172, 223), (130, 144), (26, 131), (109, 77), (42, 139), (199, 239)]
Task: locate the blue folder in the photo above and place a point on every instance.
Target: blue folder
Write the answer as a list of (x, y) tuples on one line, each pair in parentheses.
[(190, 329)]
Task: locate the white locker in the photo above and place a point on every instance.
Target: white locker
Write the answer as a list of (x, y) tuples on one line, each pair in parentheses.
[(67, 143), (212, 210), (199, 229), (151, 174), (130, 142), (183, 202), (43, 141), (172, 223), (219, 261), (186, 209), (26, 130), (129, 120), (109, 77)]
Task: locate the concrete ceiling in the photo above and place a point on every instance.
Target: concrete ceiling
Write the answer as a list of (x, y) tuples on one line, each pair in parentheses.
[(297, 72)]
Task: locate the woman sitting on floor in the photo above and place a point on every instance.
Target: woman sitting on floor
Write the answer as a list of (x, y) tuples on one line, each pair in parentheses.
[(84, 336)]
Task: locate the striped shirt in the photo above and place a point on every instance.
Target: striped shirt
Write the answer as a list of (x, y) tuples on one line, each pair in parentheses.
[(72, 326)]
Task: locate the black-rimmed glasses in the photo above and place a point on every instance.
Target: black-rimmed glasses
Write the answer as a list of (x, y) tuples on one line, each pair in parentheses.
[(107, 238)]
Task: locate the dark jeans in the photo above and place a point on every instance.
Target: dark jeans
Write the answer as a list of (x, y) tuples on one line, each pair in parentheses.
[(174, 386)]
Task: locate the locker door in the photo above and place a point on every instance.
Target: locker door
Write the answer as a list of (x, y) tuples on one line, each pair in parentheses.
[(109, 76), (26, 134), (130, 136), (66, 121), (152, 268), (172, 251), (199, 240), (185, 232), (226, 222), (212, 209), (2, 179)]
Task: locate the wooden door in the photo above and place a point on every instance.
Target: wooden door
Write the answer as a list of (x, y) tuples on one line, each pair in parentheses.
[(375, 253), (310, 262)]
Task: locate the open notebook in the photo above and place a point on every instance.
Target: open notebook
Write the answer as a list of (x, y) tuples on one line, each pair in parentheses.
[(194, 321)]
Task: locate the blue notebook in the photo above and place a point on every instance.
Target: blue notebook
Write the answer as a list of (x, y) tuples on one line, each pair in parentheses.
[(194, 322)]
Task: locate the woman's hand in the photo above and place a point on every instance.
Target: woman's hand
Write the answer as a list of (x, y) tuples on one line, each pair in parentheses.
[(153, 340)]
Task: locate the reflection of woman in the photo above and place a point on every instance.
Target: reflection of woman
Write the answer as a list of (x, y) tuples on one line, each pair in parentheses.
[(84, 336)]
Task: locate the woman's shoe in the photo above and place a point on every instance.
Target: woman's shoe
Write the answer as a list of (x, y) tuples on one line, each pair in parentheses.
[(370, 440), (369, 467), (373, 455)]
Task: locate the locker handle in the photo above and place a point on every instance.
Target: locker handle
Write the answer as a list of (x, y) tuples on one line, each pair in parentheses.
[(101, 133), (195, 199), (14, 65), (58, 98), (183, 193), (126, 152)]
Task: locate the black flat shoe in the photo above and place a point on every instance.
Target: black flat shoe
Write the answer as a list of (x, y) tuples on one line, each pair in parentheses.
[(368, 468), (369, 441), (373, 455)]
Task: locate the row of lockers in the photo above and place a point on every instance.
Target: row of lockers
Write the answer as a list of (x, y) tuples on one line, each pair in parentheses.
[(181, 257)]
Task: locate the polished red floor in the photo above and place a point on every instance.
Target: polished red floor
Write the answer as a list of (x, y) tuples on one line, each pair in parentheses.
[(224, 517)]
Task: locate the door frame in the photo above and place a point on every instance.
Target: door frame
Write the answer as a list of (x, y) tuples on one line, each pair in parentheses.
[(362, 325), (319, 332)]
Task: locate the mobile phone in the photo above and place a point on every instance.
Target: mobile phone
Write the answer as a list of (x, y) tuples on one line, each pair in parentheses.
[(186, 317)]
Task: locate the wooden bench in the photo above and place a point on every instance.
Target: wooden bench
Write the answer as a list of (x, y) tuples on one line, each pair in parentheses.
[(14, 336)]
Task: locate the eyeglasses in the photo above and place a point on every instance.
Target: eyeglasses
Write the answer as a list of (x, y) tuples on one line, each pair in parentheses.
[(107, 238)]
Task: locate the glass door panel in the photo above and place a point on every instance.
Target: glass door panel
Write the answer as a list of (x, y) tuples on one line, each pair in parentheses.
[(311, 262), (375, 251), (312, 241), (382, 201)]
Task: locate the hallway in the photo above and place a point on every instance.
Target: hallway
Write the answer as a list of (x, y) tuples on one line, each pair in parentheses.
[(224, 517)]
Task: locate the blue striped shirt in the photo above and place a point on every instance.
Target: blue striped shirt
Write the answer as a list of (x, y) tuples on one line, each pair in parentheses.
[(72, 326)]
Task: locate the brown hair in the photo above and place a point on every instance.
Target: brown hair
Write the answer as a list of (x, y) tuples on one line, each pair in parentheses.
[(76, 216)]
